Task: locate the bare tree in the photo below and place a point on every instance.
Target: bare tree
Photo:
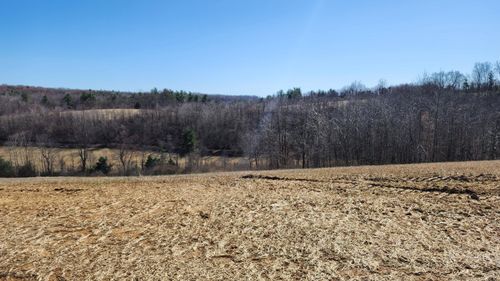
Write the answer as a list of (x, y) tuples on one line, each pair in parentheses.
[(354, 88), (125, 153), (82, 135), (251, 147), (480, 74), (439, 119), (381, 86), (20, 151), (48, 153), (444, 80), (454, 79)]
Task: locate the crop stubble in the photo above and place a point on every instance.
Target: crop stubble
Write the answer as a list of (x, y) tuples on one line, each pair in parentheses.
[(410, 222)]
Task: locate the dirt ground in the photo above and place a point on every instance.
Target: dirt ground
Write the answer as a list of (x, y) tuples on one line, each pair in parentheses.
[(401, 222)]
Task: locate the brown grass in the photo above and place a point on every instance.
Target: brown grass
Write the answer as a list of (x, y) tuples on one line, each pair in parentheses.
[(72, 161), (361, 223)]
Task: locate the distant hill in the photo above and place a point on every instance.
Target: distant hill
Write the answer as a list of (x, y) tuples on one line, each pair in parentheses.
[(21, 98)]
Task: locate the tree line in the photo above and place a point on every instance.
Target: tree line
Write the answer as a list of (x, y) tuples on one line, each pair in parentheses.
[(446, 116)]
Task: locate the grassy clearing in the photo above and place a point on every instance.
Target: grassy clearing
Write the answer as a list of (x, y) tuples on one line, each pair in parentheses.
[(67, 159), (398, 222)]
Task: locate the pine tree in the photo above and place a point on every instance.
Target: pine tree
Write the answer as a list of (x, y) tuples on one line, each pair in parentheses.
[(491, 81), (189, 142), (102, 165), (45, 100), (68, 100)]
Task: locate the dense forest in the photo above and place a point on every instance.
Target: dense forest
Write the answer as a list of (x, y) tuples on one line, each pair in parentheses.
[(445, 116)]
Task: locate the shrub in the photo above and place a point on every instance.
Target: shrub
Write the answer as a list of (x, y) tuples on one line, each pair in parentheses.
[(151, 162), (27, 170), (171, 162), (102, 165), (6, 169)]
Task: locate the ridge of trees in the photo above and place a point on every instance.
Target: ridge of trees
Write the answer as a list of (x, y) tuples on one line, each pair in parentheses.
[(20, 99)]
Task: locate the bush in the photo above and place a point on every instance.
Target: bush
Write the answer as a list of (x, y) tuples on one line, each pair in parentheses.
[(6, 169), (103, 166), (27, 170), (151, 162), (160, 166)]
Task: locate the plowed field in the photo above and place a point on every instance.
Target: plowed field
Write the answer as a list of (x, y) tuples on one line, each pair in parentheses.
[(400, 222)]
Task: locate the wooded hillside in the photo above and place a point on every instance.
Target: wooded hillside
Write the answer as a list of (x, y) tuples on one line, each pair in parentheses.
[(444, 117)]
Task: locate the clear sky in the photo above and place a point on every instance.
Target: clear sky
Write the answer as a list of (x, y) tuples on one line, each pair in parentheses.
[(240, 46)]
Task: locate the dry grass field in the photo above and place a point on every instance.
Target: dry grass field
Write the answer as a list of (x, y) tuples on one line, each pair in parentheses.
[(71, 159), (403, 222)]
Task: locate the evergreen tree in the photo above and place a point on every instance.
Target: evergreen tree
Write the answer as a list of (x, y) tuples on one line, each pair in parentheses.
[(466, 85), (151, 162), (87, 97), (491, 81), (189, 142), (68, 100), (24, 97), (180, 96), (45, 100), (102, 165)]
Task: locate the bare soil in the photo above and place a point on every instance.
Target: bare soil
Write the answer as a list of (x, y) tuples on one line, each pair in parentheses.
[(400, 222)]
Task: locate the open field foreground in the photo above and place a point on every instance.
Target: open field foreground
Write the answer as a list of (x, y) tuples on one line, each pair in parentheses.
[(408, 222)]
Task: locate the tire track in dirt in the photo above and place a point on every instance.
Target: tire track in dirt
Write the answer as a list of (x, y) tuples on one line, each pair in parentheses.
[(373, 182)]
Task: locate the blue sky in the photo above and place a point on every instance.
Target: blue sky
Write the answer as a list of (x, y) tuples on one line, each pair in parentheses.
[(240, 46)]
